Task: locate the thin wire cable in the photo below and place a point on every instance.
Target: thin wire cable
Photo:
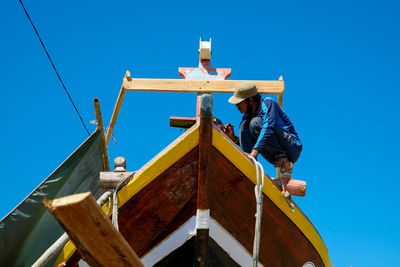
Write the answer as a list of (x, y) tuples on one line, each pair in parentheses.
[(54, 67)]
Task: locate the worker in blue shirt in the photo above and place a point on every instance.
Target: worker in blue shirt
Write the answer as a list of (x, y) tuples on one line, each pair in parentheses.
[(265, 129)]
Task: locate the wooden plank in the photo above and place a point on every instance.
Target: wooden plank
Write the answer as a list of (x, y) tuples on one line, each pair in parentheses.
[(200, 86), (181, 122), (97, 240), (114, 116), (54, 249), (117, 107)]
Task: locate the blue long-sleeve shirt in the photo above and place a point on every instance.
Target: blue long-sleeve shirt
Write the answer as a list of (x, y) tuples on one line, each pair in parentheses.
[(272, 116)]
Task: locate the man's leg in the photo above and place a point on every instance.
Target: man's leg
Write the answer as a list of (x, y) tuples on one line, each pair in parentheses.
[(289, 143), (248, 135), (247, 140)]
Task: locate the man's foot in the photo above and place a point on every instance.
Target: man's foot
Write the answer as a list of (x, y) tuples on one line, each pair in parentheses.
[(285, 165)]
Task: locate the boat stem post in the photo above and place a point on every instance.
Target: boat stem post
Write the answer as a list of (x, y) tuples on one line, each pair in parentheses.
[(203, 206), (205, 146)]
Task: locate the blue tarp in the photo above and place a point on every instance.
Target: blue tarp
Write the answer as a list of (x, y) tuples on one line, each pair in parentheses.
[(28, 230)]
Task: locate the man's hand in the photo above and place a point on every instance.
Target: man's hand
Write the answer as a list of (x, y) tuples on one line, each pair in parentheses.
[(254, 153), (228, 130)]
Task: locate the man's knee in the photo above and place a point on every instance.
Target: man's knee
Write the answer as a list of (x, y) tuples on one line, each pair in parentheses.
[(255, 126)]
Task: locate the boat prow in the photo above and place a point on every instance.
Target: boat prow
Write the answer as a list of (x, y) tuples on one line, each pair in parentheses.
[(194, 203)]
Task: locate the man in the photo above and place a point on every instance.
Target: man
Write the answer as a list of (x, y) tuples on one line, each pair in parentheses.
[(265, 129)]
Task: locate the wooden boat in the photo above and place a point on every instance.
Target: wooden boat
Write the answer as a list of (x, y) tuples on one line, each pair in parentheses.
[(194, 203)]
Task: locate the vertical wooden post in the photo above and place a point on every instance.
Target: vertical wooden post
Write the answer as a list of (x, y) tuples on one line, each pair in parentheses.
[(280, 96), (198, 104), (280, 102), (100, 126), (203, 212)]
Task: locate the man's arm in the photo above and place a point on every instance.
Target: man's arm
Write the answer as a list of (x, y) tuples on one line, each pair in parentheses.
[(228, 130), (265, 132)]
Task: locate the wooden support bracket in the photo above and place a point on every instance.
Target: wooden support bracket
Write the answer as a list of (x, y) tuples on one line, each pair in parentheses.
[(110, 180), (188, 86), (97, 240)]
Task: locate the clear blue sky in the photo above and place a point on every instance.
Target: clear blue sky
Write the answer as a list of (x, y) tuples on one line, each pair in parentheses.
[(340, 61)]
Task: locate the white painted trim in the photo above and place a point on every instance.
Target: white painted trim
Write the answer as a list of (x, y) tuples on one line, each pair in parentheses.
[(230, 245), (221, 236), (172, 242), (82, 263), (202, 219)]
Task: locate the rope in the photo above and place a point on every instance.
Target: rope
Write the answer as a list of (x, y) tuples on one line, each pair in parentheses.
[(284, 192), (114, 216), (109, 205), (259, 203), (112, 135)]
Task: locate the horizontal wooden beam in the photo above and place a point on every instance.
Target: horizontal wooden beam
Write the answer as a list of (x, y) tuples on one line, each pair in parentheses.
[(181, 122), (200, 86), (97, 240)]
